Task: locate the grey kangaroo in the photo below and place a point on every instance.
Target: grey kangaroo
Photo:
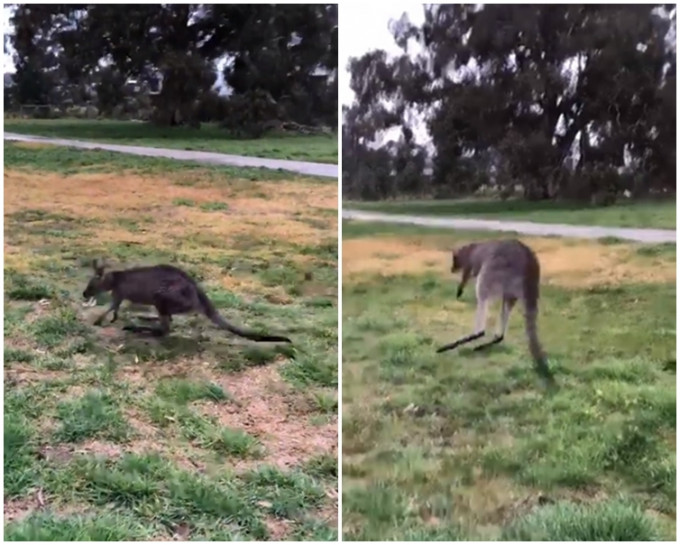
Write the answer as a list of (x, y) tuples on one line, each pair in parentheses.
[(506, 270), (169, 289)]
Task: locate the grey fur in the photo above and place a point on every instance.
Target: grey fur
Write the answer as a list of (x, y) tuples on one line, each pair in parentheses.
[(507, 270), (169, 289)]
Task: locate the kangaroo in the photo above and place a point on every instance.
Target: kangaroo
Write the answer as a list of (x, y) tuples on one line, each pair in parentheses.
[(507, 270), (169, 289)]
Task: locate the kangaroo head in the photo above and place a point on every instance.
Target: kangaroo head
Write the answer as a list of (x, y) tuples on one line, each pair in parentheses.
[(461, 256), (100, 282)]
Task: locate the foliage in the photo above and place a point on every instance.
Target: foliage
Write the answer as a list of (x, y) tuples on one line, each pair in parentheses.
[(563, 101), (169, 54)]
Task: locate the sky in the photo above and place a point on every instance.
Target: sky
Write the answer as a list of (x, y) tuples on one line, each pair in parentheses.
[(364, 26), (7, 64)]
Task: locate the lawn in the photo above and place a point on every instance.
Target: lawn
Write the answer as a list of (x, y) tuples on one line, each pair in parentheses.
[(201, 435), (645, 214), (470, 446), (318, 148)]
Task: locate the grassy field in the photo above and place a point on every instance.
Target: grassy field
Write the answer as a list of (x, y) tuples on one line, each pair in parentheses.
[(650, 214), (319, 148), (202, 435), (469, 446)]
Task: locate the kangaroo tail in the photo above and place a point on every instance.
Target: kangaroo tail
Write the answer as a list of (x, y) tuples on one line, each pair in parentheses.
[(535, 347), (531, 293), (211, 312)]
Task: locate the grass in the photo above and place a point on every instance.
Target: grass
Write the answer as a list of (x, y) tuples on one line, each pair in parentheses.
[(645, 214), (566, 521), (469, 446), (182, 391), (201, 435), (94, 415), (69, 161), (318, 148)]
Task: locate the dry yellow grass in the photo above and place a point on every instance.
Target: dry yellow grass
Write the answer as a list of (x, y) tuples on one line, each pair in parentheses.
[(579, 263), (106, 199), (32, 145)]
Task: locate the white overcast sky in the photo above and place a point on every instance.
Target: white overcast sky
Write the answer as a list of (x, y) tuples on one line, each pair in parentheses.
[(7, 64), (364, 27)]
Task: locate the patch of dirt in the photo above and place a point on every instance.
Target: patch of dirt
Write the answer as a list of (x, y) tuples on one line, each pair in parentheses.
[(574, 264), (18, 509), (15, 510), (269, 409), (328, 513), (98, 448), (140, 424), (23, 373), (265, 406), (56, 454), (278, 528), (75, 391), (148, 376)]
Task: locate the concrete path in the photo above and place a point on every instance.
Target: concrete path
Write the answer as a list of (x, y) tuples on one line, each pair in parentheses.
[(523, 227), (300, 167)]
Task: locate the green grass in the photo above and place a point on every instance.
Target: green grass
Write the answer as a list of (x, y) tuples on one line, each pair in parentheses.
[(145, 497), (645, 214), (68, 161), (183, 391), (469, 446), (49, 526), (318, 148), (127, 437), (94, 415), (566, 521)]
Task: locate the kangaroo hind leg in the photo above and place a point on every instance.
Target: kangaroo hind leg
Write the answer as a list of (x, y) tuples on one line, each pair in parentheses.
[(508, 305), (480, 326)]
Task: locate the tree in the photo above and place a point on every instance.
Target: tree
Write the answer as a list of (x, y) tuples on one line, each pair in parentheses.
[(272, 48), (289, 53), (564, 100)]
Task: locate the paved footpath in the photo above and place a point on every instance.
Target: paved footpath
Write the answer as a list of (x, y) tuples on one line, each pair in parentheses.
[(523, 227), (300, 167)]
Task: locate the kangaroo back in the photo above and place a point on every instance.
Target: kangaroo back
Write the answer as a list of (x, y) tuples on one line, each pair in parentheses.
[(211, 312)]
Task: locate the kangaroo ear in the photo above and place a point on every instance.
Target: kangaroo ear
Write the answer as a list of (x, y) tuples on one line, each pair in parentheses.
[(98, 267)]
